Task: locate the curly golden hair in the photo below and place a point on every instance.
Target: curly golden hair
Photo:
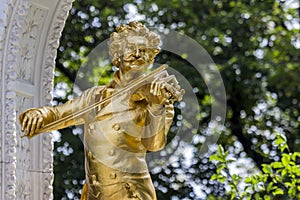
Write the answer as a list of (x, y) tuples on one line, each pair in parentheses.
[(118, 40)]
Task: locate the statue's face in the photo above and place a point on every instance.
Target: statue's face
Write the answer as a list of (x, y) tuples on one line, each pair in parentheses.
[(136, 54)]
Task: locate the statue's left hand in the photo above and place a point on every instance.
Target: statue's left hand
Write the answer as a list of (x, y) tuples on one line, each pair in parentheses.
[(165, 91), (31, 120)]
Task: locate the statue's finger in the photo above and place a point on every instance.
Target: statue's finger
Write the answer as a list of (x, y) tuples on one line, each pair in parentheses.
[(39, 123), (158, 89), (152, 87), (33, 126), (161, 87), (155, 89), (28, 125), (24, 122), (27, 133), (168, 88)]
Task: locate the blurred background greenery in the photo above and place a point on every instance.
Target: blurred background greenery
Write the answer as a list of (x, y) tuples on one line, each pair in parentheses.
[(254, 43)]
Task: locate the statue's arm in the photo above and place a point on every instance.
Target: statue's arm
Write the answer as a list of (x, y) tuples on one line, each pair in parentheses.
[(160, 120), (160, 113), (34, 119), (160, 97)]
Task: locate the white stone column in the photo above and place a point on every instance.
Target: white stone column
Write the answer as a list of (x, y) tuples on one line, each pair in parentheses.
[(29, 36)]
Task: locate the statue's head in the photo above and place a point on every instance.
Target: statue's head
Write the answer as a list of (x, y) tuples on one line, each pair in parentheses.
[(133, 46)]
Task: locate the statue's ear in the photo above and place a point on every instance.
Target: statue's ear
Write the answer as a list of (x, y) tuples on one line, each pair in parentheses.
[(156, 51), (117, 62), (153, 54)]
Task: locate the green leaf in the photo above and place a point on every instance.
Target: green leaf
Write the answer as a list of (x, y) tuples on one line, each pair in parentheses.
[(216, 157), (277, 165), (214, 177), (270, 187), (278, 191), (235, 177), (284, 172), (280, 139), (257, 197), (221, 179), (248, 179), (267, 169), (266, 197), (288, 184), (220, 168), (295, 155), (285, 160), (221, 150), (230, 160), (232, 4)]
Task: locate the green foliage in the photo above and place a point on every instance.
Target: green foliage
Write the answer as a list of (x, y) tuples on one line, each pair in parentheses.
[(67, 157), (277, 180), (255, 47)]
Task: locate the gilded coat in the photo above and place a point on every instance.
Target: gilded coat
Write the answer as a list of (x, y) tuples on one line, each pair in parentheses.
[(116, 139)]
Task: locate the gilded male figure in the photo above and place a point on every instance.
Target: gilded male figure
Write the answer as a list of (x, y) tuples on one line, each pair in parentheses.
[(118, 133)]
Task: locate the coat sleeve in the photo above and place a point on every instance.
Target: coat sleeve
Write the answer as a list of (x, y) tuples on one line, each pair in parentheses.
[(52, 114), (158, 123), (85, 99)]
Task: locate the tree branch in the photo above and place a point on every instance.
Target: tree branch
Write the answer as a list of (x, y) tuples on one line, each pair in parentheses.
[(237, 130)]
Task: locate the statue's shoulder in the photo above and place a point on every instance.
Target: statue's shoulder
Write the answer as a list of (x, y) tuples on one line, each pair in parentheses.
[(98, 88), (95, 90)]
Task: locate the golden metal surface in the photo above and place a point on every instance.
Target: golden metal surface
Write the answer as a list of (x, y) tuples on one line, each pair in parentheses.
[(123, 120)]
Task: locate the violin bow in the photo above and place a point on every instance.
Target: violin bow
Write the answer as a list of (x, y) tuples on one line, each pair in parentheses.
[(58, 124)]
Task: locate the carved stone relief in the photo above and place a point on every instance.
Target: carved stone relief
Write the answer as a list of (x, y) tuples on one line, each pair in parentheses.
[(11, 50), (29, 42), (5, 12), (23, 155), (25, 27), (47, 86)]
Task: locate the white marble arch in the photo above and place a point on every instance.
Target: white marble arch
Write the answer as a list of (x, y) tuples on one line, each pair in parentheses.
[(29, 37)]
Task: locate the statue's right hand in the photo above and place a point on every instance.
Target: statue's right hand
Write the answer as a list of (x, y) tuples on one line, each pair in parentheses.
[(31, 120)]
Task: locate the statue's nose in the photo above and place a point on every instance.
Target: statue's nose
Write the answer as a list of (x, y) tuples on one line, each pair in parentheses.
[(137, 53)]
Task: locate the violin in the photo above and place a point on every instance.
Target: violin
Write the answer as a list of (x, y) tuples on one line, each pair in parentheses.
[(159, 74)]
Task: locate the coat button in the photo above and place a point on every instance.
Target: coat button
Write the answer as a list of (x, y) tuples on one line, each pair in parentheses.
[(94, 179), (116, 127), (90, 155), (127, 186), (130, 186), (113, 175), (111, 152), (92, 126)]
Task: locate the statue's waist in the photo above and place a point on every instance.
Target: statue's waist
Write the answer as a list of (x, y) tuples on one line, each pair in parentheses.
[(104, 174), (101, 159)]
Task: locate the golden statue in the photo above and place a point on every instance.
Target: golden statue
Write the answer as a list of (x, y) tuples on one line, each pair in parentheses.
[(123, 120)]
